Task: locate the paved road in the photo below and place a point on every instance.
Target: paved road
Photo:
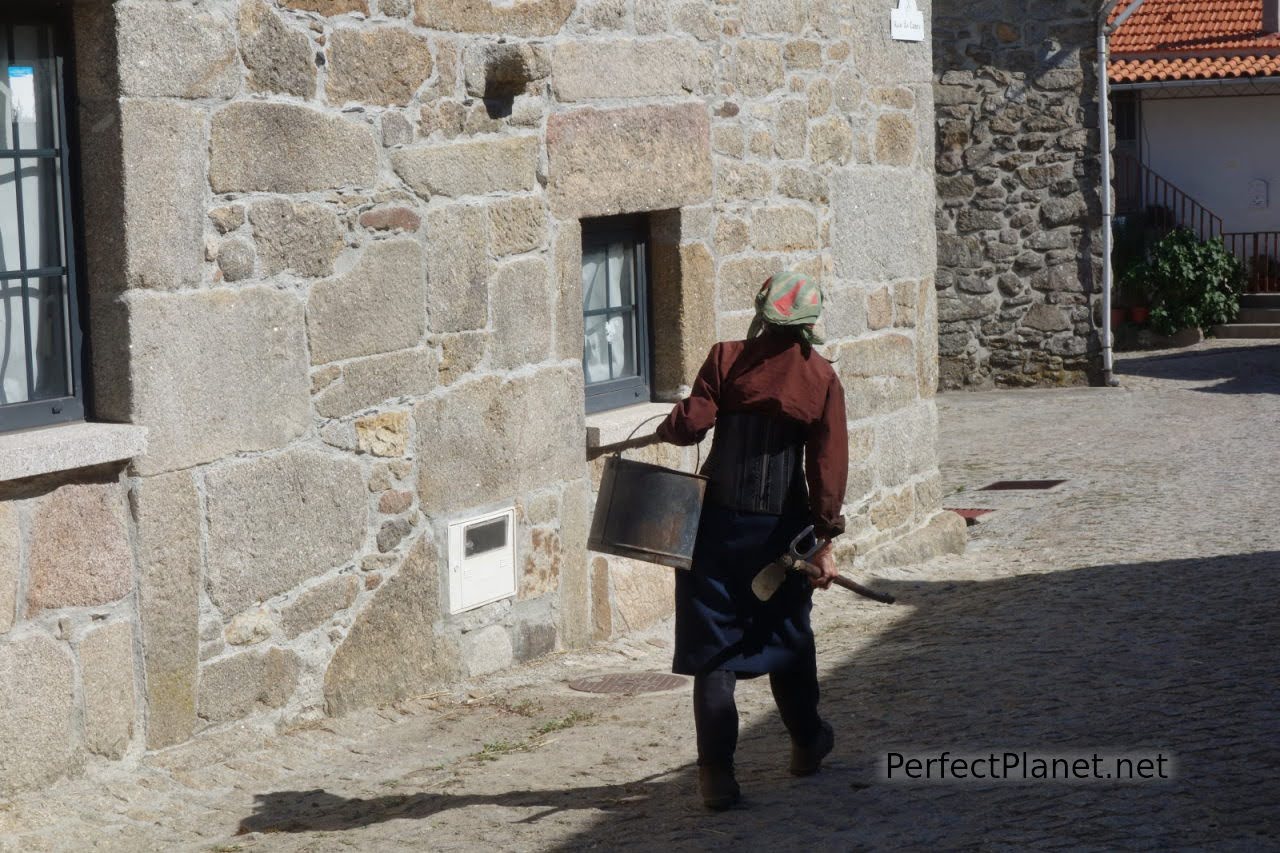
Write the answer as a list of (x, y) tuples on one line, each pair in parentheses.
[(1130, 609)]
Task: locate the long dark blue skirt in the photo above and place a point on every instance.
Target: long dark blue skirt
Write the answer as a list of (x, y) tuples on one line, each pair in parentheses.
[(720, 624)]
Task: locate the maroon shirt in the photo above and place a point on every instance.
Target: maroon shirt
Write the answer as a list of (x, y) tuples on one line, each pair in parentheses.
[(770, 375)]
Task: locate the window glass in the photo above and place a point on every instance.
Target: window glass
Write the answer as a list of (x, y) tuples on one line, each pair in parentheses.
[(1125, 116), (594, 286), (617, 270), (625, 329), (30, 214), (609, 313), (614, 293), (485, 537), (596, 355), (35, 322)]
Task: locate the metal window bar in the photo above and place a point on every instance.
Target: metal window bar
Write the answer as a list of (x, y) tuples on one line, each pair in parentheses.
[(49, 55), (70, 302), (41, 272)]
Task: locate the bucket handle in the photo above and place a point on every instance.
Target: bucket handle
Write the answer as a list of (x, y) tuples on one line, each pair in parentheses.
[(697, 465)]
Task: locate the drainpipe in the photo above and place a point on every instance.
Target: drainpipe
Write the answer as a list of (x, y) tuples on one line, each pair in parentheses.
[(1104, 134)]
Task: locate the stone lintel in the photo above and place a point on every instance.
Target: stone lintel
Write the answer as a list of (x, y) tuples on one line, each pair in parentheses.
[(592, 156)]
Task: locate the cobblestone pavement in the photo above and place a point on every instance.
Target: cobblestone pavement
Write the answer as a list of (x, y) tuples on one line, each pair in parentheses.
[(1131, 608)]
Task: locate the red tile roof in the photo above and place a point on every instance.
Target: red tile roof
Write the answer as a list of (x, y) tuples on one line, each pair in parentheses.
[(1193, 68), (1194, 40)]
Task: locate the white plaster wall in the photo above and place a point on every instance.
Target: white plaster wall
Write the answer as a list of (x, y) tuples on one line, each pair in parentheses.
[(1213, 148)]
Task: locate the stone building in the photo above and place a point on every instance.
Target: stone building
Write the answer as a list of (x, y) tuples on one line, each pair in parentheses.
[(303, 397), (1019, 200)]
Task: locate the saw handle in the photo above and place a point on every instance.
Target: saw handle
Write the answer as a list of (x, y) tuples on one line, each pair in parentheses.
[(818, 544), (865, 592), (800, 560), (851, 585)]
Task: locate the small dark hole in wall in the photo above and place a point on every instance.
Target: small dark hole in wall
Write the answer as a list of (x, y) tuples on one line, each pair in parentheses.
[(499, 107)]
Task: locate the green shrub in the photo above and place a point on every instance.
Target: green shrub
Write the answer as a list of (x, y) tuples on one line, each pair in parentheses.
[(1189, 283), (1128, 243)]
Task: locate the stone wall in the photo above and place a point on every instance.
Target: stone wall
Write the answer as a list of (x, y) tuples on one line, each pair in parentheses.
[(1019, 216), (333, 254)]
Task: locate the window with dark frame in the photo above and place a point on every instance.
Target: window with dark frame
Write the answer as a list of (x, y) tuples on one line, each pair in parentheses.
[(1125, 115), (615, 312), (40, 337), (1127, 118)]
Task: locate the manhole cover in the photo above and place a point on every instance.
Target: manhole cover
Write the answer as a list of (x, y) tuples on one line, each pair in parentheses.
[(629, 682), (1011, 485)]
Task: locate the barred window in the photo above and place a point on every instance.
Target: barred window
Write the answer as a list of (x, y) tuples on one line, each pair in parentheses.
[(40, 338), (615, 311)]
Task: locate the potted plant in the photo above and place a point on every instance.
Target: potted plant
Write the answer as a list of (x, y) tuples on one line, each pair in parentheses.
[(1192, 284), (1132, 292), (1128, 256)]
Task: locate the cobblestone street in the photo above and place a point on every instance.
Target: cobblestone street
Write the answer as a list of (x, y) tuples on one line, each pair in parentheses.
[(1132, 608)]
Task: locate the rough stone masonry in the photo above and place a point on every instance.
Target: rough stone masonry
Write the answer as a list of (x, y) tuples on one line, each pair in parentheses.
[(1019, 210), (333, 265)]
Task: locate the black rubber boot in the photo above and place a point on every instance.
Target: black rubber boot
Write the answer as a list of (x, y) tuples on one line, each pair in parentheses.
[(718, 787), (807, 759)]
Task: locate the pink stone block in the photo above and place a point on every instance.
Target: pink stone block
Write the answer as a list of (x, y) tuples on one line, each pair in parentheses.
[(80, 552)]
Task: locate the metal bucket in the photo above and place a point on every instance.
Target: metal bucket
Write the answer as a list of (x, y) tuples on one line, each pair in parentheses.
[(647, 512)]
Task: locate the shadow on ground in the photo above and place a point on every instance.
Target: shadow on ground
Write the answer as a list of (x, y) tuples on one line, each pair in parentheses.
[(1238, 370), (1179, 656), (320, 811)]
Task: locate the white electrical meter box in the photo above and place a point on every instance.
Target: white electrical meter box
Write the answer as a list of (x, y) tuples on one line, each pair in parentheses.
[(482, 560)]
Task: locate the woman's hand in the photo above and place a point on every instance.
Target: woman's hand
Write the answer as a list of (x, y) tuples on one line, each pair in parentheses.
[(826, 564)]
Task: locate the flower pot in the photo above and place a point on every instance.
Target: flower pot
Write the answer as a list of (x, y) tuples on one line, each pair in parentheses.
[(1139, 315), (1117, 317)]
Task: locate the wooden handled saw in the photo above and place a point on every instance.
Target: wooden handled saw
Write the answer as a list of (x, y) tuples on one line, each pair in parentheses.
[(772, 576)]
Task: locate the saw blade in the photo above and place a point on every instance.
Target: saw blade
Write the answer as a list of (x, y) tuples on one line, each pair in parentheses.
[(767, 582)]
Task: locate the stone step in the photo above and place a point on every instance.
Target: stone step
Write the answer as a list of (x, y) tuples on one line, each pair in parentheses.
[(1248, 330), (1260, 300), (1259, 315)]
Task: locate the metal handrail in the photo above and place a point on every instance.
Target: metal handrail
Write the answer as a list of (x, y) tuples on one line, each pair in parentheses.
[(1260, 253), (1139, 189)]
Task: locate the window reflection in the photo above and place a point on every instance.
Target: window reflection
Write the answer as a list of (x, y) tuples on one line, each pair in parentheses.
[(609, 307), (34, 292)]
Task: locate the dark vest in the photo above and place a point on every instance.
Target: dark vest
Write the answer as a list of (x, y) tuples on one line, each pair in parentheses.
[(756, 463)]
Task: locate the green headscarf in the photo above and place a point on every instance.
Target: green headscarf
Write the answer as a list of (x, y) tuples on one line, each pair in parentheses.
[(788, 299)]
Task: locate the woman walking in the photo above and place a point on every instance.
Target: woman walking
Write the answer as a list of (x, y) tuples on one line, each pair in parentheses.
[(778, 463)]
